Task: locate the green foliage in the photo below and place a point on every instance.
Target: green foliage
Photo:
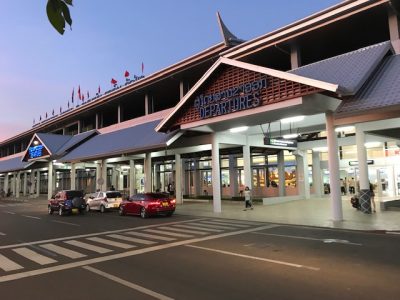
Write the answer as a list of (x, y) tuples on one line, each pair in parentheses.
[(58, 14)]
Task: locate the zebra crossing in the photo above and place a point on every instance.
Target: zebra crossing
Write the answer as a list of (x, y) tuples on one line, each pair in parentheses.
[(18, 258)]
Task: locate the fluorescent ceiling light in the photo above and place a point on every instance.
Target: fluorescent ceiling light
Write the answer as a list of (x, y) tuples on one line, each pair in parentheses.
[(320, 149), (372, 144), (345, 129), (292, 119), (290, 136), (238, 129)]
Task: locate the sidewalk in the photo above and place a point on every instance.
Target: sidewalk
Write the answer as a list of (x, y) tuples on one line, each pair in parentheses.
[(312, 212)]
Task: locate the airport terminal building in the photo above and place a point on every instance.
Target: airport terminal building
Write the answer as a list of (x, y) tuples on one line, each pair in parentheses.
[(310, 109)]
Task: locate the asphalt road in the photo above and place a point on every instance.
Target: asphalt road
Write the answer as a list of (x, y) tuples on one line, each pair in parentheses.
[(105, 256)]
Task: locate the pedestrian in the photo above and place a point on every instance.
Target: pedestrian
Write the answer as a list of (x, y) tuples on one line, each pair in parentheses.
[(112, 188), (342, 187), (371, 189), (171, 189), (352, 189), (247, 198)]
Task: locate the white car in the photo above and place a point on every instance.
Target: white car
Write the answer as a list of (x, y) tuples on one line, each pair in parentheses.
[(103, 201)]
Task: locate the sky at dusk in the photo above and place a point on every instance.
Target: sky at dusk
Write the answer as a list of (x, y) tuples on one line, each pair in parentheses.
[(39, 67)]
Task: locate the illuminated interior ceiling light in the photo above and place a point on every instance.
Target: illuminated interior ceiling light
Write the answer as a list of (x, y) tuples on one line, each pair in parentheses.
[(238, 129), (125, 167), (35, 143), (290, 136), (320, 149), (292, 119), (373, 144), (345, 129), (87, 170)]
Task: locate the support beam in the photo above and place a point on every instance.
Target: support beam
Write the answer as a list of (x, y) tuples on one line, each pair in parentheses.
[(104, 186), (333, 163), (247, 166), (147, 173), (73, 176), (37, 183), (394, 30), (132, 178), (317, 175), (50, 179), (295, 58), (25, 184), (365, 197), (178, 178), (98, 176), (281, 173), (146, 104), (302, 174), (216, 176), (6, 186), (17, 184), (233, 178)]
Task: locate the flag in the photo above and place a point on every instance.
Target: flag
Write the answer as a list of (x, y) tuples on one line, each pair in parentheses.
[(33, 121), (83, 98), (60, 110), (72, 102), (40, 119), (53, 111), (88, 95), (79, 93), (142, 68), (126, 74), (113, 81), (98, 91), (46, 115), (72, 96)]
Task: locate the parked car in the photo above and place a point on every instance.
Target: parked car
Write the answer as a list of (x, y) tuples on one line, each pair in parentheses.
[(103, 201), (148, 204), (67, 201)]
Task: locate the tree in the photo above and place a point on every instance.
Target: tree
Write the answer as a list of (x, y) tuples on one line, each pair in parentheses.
[(58, 14)]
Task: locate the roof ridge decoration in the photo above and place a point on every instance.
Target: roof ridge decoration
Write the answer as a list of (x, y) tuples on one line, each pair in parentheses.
[(229, 38)]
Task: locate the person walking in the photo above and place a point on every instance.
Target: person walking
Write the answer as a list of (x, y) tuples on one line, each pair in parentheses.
[(247, 198), (352, 189), (371, 189)]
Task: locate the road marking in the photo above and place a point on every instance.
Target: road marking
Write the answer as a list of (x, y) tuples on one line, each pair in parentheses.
[(2, 233), (65, 223), (235, 222), (310, 238), (256, 258), (88, 246), (8, 265), (128, 284), (195, 227), (125, 254), (213, 226), (31, 217), (392, 232), (131, 239), (150, 236), (63, 251), (97, 234), (9, 212), (34, 256), (226, 223), (184, 230), (111, 243), (169, 233)]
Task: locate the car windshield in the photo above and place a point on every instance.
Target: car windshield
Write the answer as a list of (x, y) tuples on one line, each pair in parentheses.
[(113, 195), (73, 194)]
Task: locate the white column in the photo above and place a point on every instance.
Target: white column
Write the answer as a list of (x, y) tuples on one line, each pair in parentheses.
[(181, 90), (178, 178), (6, 179), (333, 163), (32, 186), (394, 30), (317, 174), (50, 179), (295, 58), (114, 177), (216, 175), (362, 159), (37, 183), (79, 127), (132, 177), (146, 104), (97, 121), (119, 113), (147, 173), (14, 184), (196, 178), (104, 186), (17, 184), (24, 187), (302, 175), (281, 173), (73, 176), (98, 176), (247, 166), (233, 176)]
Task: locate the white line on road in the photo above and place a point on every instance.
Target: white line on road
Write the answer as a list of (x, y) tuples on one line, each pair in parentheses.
[(97, 234), (184, 230), (128, 284), (63, 251), (34, 256), (196, 227), (213, 226), (65, 223), (2, 233), (226, 223), (31, 217), (88, 246), (310, 238), (131, 239), (151, 236), (111, 243), (8, 265), (162, 232), (9, 212), (256, 258), (125, 254)]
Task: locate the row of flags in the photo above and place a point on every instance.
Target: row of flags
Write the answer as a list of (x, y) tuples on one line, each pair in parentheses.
[(81, 95)]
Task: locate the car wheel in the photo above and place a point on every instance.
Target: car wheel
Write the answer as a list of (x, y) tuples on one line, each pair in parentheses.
[(87, 207), (121, 211), (49, 210), (82, 211), (102, 209), (169, 214), (60, 211), (143, 213)]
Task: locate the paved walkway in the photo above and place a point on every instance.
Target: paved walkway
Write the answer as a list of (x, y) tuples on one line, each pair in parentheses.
[(312, 212)]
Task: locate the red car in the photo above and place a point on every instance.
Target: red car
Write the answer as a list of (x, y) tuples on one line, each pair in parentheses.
[(148, 204)]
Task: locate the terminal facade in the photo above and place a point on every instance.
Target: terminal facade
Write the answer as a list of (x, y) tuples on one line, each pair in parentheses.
[(308, 110)]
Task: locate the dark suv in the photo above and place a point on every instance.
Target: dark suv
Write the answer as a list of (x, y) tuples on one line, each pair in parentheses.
[(67, 201)]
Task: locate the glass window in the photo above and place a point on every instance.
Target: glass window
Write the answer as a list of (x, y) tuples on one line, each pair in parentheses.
[(258, 160), (225, 163), (239, 162)]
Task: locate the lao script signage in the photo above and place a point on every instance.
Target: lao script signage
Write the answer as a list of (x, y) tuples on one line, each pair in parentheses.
[(234, 99)]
